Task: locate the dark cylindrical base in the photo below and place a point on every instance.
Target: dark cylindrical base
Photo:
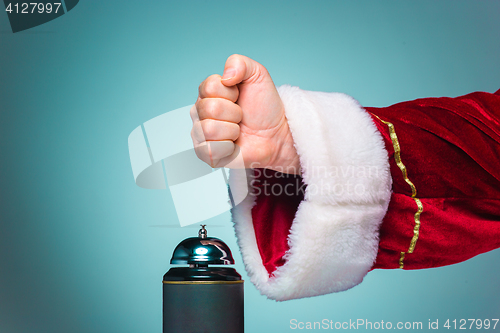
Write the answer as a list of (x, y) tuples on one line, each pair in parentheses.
[(204, 305)]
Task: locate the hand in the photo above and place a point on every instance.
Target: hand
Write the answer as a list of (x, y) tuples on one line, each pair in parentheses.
[(242, 111)]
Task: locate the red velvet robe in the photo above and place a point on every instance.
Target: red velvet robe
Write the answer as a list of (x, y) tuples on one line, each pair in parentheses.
[(450, 148)]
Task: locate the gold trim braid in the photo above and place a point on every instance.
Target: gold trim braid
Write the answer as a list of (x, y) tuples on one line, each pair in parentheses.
[(402, 167), (203, 282)]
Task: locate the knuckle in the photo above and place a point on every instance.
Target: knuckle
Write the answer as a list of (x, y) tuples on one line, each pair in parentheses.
[(212, 108), (202, 153), (197, 134), (214, 78), (211, 86), (193, 112), (193, 135), (209, 128), (198, 107), (233, 57)]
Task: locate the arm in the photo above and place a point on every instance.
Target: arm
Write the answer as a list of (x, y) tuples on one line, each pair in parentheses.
[(323, 231)]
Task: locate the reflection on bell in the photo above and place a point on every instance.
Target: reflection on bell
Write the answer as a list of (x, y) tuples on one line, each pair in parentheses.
[(200, 298)]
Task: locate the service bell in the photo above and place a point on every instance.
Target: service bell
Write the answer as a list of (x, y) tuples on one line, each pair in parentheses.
[(202, 298)]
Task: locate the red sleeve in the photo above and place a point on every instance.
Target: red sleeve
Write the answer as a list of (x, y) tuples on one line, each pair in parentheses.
[(451, 150)]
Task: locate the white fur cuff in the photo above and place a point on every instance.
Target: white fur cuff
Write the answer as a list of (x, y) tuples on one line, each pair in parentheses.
[(333, 240)]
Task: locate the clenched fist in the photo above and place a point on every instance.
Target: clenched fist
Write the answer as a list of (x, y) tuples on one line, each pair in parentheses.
[(242, 111)]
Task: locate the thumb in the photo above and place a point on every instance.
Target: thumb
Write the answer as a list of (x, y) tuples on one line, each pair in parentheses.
[(239, 69)]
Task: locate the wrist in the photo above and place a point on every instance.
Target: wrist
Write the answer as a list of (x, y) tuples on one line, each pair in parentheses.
[(285, 158)]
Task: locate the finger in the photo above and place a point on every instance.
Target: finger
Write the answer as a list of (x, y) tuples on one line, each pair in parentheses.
[(239, 69), (219, 150), (197, 133), (218, 109), (213, 152), (232, 161), (193, 112), (212, 87), (215, 130)]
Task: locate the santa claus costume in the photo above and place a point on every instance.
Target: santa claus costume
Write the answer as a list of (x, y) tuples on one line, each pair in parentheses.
[(410, 186)]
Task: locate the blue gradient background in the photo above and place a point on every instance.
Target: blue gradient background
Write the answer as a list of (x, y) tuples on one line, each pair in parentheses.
[(80, 250)]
